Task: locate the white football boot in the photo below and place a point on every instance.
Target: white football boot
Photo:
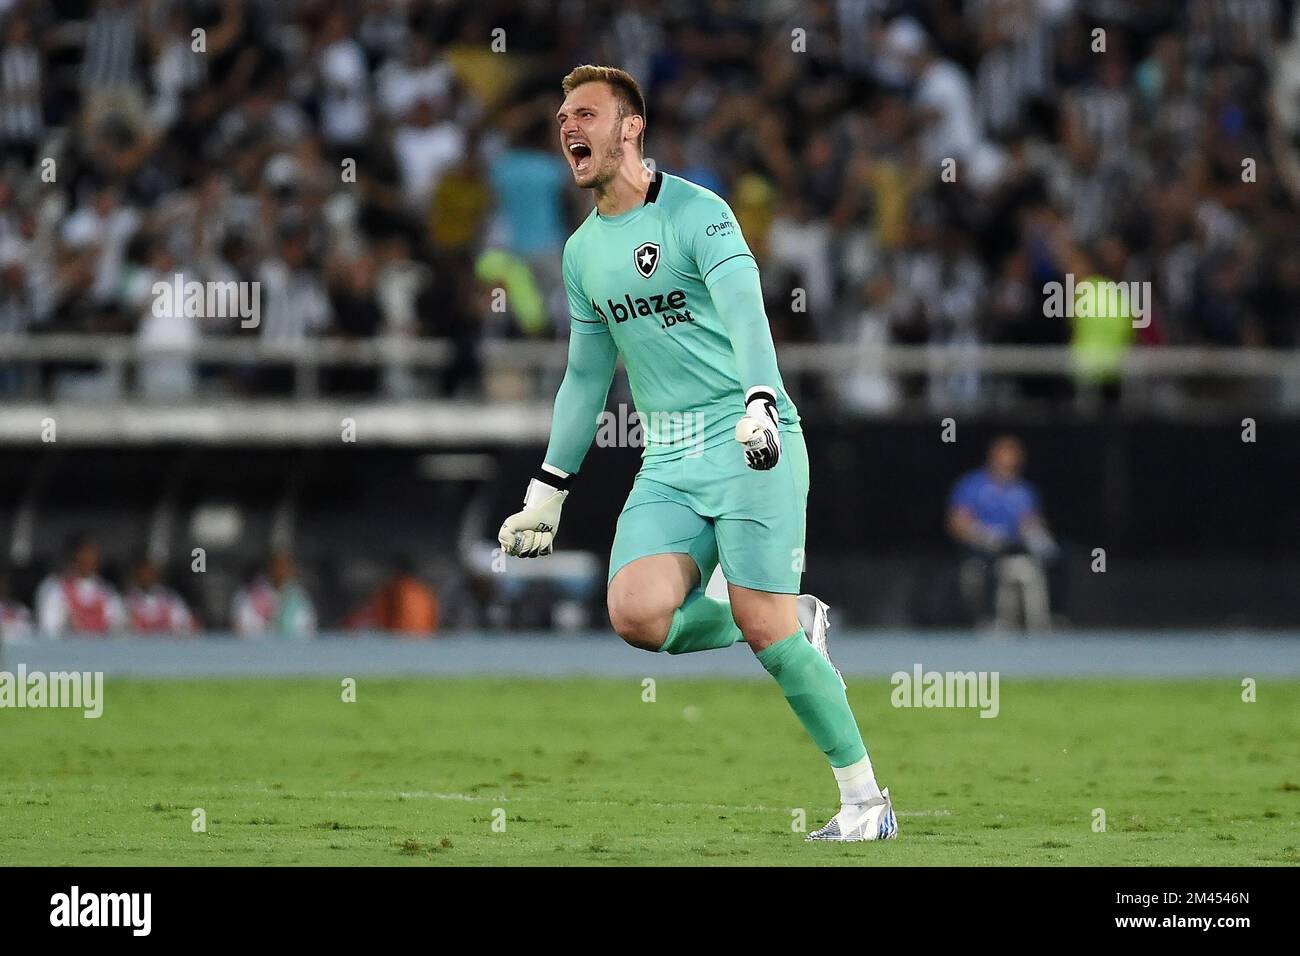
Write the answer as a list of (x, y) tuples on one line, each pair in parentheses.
[(863, 821), (815, 619)]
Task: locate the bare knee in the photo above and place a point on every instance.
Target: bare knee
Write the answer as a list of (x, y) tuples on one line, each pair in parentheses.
[(641, 623), (764, 619), (644, 595), (761, 635)]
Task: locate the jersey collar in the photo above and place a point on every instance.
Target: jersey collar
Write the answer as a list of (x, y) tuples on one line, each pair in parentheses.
[(651, 195), (655, 185)]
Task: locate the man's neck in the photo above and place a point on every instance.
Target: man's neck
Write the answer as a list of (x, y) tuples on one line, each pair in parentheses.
[(626, 190)]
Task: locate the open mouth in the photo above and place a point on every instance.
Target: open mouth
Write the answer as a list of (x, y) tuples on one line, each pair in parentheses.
[(580, 153)]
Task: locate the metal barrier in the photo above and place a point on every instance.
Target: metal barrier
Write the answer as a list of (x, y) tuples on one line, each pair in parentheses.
[(1276, 371)]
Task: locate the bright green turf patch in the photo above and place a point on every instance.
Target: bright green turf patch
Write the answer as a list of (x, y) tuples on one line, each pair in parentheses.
[(584, 772)]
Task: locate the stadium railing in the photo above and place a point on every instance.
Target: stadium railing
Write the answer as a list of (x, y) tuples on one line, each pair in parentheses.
[(1274, 373)]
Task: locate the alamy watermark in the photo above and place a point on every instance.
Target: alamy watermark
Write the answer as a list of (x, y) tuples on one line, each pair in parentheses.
[(624, 429), (922, 688), (1098, 298), (75, 908), (75, 690), (209, 300)]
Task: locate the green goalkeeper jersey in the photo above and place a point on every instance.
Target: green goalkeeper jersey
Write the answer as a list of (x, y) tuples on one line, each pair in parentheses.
[(647, 279)]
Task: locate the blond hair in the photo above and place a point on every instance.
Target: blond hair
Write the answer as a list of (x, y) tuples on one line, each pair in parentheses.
[(631, 102)]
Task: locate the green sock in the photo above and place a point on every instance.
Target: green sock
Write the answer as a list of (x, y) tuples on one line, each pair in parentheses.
[(816, 696), (701, 624)]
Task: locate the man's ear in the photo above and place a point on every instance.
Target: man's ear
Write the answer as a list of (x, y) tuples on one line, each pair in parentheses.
[(633, 126)]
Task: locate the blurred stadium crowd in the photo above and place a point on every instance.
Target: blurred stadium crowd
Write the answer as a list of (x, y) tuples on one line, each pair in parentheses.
[(381, 166), (78, 599)]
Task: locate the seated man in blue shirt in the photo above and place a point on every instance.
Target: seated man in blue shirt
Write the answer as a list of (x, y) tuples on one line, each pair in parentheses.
[(993, 511)]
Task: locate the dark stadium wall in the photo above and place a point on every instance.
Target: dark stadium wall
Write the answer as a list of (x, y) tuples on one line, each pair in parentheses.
[(1150, 490), (1199, 528)]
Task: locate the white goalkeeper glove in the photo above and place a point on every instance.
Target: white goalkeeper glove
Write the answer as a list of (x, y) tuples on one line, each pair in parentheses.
[(758, 429), (531, 533)]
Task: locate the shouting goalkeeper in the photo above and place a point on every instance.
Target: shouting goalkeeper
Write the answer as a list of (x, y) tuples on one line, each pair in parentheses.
[(660, 273)]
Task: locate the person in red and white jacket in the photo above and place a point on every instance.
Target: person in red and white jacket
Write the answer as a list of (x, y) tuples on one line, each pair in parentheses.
[(153, 608), (15, 619), (77, 600)]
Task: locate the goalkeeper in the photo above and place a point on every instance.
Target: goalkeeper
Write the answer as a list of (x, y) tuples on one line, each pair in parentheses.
[(660, 273)]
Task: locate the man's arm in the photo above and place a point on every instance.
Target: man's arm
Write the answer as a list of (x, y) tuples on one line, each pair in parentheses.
[(963, 524), (738, 298), (530, 533), (580, 400), (1034, 531), (968, 530), (710, 234)]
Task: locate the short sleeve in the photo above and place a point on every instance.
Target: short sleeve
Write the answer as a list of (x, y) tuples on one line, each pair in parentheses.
[(585, 320), (710, 235), (963, 493)]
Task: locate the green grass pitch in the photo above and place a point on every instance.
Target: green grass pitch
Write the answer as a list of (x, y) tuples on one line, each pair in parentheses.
[(583, 771)]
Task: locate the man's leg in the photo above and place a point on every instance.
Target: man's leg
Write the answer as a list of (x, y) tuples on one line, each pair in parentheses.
[(811, 686), (656, 603), (663, 552), (760, 537)]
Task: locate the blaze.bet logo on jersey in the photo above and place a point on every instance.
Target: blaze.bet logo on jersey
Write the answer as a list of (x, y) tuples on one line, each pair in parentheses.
[(668, 308)]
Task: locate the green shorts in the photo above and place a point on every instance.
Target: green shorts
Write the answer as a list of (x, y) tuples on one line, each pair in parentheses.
[(716, 508)]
